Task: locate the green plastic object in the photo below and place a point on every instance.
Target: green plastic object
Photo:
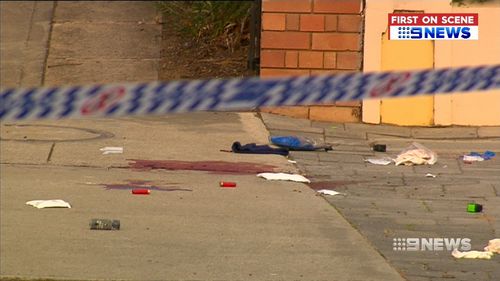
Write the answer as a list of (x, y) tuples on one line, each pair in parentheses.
[(474, 208)]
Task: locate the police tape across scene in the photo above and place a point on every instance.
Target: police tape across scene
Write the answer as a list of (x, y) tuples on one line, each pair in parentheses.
[(156, 98)]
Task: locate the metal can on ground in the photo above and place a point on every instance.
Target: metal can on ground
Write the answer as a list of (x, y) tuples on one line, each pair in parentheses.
[(141, 191), (227, 184), (104, 224), (379, 147)]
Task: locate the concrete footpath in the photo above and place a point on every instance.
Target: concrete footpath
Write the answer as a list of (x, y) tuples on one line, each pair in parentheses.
[(390, 202), (188, 228), (25, 29)]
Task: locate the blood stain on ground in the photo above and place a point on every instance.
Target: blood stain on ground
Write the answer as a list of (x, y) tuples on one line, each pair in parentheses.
[(216, 167), (133, 184)]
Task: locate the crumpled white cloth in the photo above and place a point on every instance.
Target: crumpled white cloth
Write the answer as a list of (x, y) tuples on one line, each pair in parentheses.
[(111, 149), (284, 177), (493, 246), (472, 254), (329, 192), (55, 203), (416, 154), (489, 251)]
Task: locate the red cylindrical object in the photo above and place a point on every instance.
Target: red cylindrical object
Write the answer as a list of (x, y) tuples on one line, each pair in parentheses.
[(141, 191), (227, 184)]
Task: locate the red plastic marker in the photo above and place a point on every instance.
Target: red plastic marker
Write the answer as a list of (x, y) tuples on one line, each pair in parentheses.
[(227, 184), (141, 191)]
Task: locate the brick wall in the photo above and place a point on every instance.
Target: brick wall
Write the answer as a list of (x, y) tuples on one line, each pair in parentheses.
[(309, 37)]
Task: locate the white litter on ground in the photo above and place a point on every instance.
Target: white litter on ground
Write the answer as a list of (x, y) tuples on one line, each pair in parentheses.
[(284, 177), (472, 254), (379, 161), (473, 158), (493, 246), (329, 192), (292, 161), (56, 203), (111, 149), (489, 251), (416, 154), (429, 175)]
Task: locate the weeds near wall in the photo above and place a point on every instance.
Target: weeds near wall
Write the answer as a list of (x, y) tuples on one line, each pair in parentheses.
[(224, 23)]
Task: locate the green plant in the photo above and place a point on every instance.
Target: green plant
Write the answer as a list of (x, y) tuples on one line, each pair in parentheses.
[(225, 22)]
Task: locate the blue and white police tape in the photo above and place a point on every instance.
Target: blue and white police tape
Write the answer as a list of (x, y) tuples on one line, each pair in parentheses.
[(156, 98)]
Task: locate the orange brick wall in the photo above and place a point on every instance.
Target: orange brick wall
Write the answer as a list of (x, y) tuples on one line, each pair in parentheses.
[(309, 37)]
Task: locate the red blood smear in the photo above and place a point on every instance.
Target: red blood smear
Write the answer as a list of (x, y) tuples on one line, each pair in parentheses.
[(141, 191), (217, 167), (141, 184), (227, 184)]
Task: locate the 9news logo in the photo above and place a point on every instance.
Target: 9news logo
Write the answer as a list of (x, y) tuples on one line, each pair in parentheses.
[(431, 32), (433, 26)]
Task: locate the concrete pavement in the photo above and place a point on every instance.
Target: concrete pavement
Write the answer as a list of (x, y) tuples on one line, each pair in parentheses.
[(188, 228), (25, 30), (260, 230), (387, 202), (105, 41)]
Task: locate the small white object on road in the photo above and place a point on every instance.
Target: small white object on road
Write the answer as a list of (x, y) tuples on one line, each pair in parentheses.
[(379, 161), (329, 192), (55, 203), (473, 158), (292, 161), (111, 149), (472, 254), (429, 175), (284, 177)]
